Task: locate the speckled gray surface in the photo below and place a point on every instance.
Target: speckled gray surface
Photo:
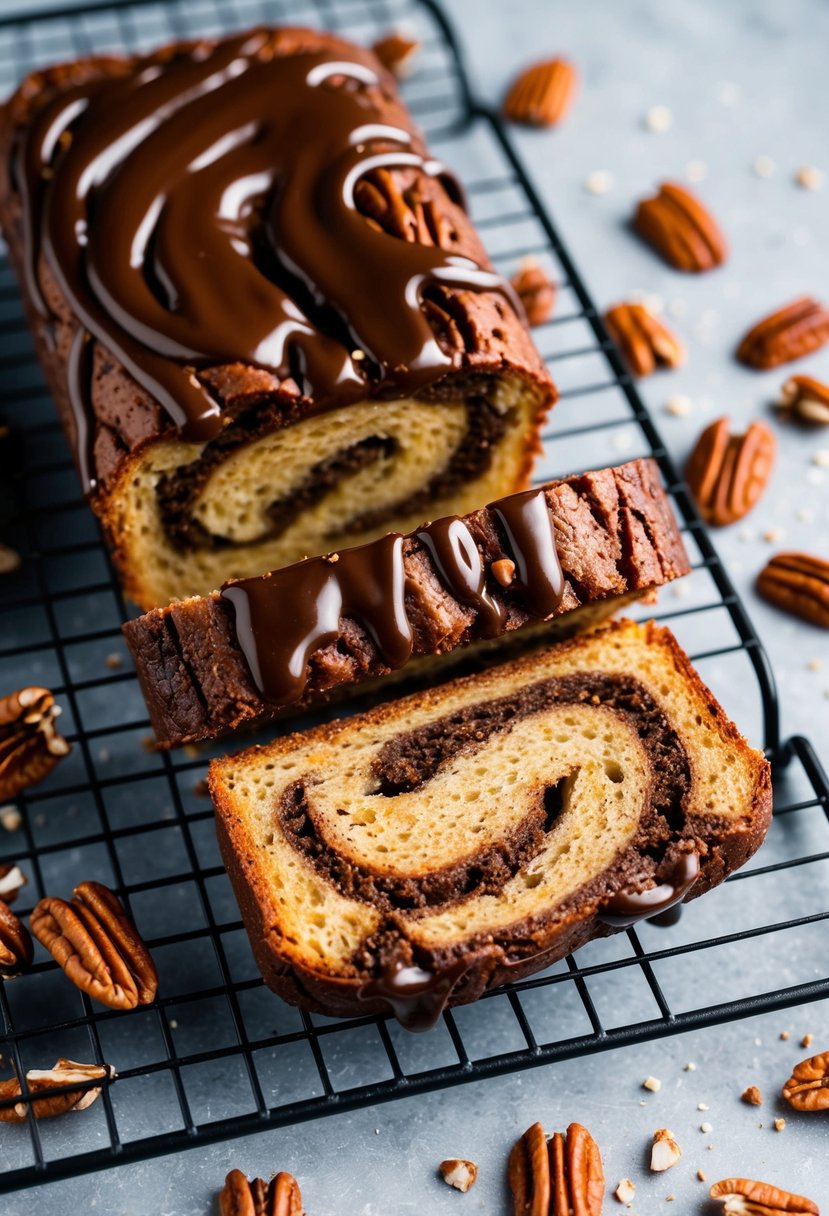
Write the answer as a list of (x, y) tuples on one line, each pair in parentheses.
[(741, 81)]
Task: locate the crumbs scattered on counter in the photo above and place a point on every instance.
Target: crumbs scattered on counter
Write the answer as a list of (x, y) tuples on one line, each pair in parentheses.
[(600, 181)]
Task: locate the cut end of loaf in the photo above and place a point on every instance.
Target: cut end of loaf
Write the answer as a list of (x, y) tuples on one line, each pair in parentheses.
[(481, 830)]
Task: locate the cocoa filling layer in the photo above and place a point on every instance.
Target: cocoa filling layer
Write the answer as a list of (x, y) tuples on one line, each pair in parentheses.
[(178, 491), (409, 761)]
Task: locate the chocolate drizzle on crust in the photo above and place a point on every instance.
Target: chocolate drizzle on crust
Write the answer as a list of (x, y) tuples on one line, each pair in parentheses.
[(230, 226), (282, 619)]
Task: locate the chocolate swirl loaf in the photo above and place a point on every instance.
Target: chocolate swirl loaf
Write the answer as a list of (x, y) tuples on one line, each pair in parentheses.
[(442, 844), (557, 558), (266, 319)]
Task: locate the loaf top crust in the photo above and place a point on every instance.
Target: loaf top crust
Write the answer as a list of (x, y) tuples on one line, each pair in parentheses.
[(218, 224)]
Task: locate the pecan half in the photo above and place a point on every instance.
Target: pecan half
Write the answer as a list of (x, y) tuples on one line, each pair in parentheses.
[(97, 945), (401, 213), (542, 94), (644, 342), (30, 746), (743, 1197), (536, 291), (15, 944), (38, 1081), (790, 333), (279, 1197), (808, 1087), (805, 399), (12, 882), (727, 473), (797, 583), (563, 1174), (396, 53), (680, 228)]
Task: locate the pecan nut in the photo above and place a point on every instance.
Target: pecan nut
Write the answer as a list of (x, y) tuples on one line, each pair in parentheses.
[(807, 1088), (644, 341), (805, 399), (542, 94), (15, 944), (97, 945), (743, 1197), (396, 53), (727, 473), (797, 583), (12, 882), (39, 1081), (536, 291), (560, 1175), (681, 229), (279, 1197), (790, 333), (30, 745), (403, 213)]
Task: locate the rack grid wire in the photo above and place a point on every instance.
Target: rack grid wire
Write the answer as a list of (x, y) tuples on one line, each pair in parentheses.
[(216, 1055)]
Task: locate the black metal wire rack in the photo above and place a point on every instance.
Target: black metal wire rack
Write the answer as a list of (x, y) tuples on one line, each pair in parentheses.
[(217, 1055)]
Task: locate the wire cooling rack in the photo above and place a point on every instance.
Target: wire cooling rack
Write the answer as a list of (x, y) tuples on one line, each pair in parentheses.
[(217, 1055)]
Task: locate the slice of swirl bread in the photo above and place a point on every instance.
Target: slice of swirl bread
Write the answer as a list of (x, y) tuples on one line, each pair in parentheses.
[(442, 844)]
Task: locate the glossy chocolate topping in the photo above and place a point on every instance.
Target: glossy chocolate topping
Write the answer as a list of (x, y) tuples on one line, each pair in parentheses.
[(628, 907), (200, 210), (283, 617), (416, 997)]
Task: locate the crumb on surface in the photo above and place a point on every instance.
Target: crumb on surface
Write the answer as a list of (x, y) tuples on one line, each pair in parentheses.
[(807, 1040), (763, 166), (599, 181), (785, 1035), (696, 170), (659, 119), (706, 1127), (653, 1084), (779, 1124), (11, 818), (752, 1096), (810, 177)]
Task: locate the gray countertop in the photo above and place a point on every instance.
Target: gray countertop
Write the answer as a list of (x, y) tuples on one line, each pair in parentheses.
[(741, 81)]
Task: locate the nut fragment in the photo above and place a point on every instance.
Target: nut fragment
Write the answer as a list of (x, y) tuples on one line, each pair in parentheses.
[(644, 341), (30, 746), (665, 1152), (403, 213), (806, 399), (807, 1089), (397, 53), (9, 560), (503, 571), (542, 94), (752, 1096), (536, 291), (64, 1072), (279, 1197), (726, 473), (12, 881), (653, 1084), (677, 225), (560, 1175), (97, 945), (742, 1197), (790, 333), (15, 944), (458, 1173), (625, 1191), (797, 583)]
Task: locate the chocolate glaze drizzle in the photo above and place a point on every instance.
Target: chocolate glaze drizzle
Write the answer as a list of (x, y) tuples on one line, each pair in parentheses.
[(416, 997), (628, 907), (283, 618), (199, 210)]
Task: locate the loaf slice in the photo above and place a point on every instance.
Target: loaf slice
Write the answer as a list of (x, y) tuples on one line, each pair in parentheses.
[(243, 654), (268, 323), (437, 846)]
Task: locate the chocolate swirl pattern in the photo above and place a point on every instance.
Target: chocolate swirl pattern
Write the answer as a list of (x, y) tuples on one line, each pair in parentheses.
[(247, 240), (433, 848)]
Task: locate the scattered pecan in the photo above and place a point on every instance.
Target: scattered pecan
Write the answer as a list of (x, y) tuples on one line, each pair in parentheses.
[(644, 341), (536, 291), (752, 1096), (665, 1152), (64, 1072), (742, 1197), (401, 213), (808, 1087), (30, 746), (797, 583), (12, 881), (727, 473), (806, 399), (279, 1197), (459, 1173), (681, 229), (396, 53), (15, 944), (790, 333), (559, 1175), (542, 94), (97, 945)]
